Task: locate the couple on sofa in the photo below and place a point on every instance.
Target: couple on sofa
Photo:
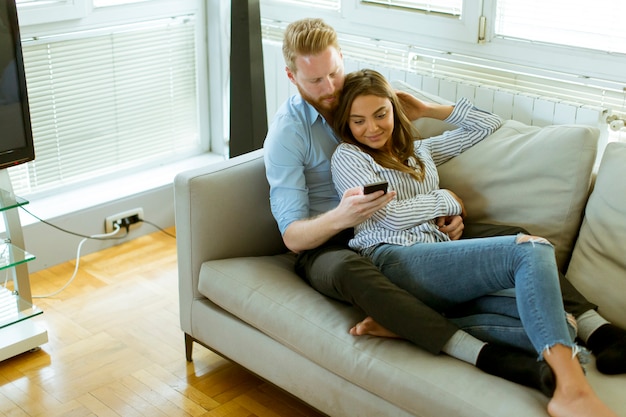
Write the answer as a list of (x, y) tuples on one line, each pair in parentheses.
[(317, 224)]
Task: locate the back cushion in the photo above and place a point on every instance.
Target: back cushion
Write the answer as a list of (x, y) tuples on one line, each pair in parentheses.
[(536, 178), (598, 266)]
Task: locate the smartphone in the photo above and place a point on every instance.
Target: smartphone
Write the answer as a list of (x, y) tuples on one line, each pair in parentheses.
[(375, 186)]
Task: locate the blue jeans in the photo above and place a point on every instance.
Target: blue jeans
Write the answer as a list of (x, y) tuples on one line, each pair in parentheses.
[(495, 318), (446, 274)]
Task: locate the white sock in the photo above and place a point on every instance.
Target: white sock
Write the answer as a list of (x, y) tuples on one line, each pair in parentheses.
[(588, 322), (463, 346)]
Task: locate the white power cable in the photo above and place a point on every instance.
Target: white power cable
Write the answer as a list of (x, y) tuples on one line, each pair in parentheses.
[(114, 232)]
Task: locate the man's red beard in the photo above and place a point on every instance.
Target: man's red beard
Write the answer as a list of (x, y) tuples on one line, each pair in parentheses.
[(320, 104)]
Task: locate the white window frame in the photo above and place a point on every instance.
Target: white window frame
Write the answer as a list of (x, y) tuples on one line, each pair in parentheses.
[(413, 26), (398, 26)]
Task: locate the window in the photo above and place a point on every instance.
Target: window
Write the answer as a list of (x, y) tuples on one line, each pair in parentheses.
[(597, 26), (110, 99)]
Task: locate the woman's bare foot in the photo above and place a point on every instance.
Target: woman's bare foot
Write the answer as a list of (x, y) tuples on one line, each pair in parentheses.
[(573, 396), (370, 327), (578, 403)]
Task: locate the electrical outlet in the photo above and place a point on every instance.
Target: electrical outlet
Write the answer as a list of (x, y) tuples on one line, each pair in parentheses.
[(133, 215)]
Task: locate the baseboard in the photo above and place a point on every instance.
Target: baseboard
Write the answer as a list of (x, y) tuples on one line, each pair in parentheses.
[(51, 246)]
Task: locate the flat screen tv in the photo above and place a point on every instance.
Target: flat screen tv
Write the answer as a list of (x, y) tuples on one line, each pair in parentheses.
[(16, 137)]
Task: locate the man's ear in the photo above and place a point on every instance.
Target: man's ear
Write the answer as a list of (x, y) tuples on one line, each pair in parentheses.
[(290, 75)]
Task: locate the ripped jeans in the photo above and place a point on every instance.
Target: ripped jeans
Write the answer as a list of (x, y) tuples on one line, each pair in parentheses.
[(444, 275)]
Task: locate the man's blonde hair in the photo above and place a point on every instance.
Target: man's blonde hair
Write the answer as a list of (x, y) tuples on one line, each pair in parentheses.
[(307, 37)]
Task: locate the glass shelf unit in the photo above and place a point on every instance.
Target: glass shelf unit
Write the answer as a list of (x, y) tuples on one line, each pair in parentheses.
[(17, 333)]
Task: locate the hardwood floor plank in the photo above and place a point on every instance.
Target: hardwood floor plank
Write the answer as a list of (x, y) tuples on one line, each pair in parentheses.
[(227, 383), (69, 409), (95, 406), (249, 402), (111, 396), (159, 386), (155, 399), (279, 401), (10, 408), (32, 400), (190, 398), (231, 409), (116, 349)]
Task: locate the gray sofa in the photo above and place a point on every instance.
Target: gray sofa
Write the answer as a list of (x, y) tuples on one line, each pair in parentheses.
[(240, 297)]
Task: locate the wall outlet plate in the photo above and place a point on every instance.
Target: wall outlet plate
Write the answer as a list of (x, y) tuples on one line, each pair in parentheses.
[(110, 220)]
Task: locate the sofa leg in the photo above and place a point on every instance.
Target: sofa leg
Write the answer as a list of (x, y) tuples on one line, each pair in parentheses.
[(188, 347)]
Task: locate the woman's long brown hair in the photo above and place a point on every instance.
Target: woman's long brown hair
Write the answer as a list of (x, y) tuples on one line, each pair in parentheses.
[(368, 82)]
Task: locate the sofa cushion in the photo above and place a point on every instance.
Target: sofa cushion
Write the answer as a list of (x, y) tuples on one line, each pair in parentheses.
[(536, 178), (598, 263), (265, 293)]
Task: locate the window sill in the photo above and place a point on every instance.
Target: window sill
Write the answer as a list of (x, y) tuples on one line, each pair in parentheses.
[(86, 197)]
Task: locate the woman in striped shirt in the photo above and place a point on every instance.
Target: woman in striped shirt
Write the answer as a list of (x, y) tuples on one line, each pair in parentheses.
[(404, 241)]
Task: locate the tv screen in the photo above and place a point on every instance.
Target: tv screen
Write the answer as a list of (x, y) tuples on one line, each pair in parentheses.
[(16, 138)]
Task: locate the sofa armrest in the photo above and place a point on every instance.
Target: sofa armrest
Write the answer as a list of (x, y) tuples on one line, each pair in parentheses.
[(222, 211)]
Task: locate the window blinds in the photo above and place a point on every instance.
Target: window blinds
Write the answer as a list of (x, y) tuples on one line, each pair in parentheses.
[(106, 102)]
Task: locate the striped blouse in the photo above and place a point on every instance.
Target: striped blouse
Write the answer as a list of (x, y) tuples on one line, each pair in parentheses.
[(410, 217)]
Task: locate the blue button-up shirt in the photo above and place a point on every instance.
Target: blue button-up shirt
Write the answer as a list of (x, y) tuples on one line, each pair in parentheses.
[(297, 151)]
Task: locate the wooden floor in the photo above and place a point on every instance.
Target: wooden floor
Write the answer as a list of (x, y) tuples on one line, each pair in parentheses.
[(116, 348)]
